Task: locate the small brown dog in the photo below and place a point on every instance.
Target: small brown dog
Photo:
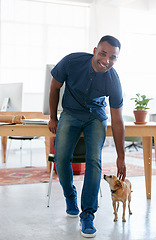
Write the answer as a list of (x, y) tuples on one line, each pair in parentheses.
[(120, 191)]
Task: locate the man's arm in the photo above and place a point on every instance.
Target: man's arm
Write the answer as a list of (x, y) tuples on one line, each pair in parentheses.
[(53, 103), (119, 137)]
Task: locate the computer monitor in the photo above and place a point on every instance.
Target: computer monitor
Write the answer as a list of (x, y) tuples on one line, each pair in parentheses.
[(48, 78), (11, 97)]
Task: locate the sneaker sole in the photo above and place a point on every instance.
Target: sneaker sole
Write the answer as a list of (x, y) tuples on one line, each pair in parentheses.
[(88, 235), (72, 216)]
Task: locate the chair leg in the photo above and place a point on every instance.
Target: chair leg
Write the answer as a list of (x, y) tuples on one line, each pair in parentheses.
[(8, 151), (30, 154), (100, 192), (21, 147), (50, 184)]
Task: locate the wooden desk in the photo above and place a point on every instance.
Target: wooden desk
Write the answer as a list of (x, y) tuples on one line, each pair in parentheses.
[(145, 131), (27, 115)]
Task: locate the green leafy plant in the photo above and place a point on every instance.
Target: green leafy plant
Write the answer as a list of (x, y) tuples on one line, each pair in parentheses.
[(141, 102)]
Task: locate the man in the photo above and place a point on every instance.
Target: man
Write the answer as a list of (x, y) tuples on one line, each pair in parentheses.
[(88, 79)]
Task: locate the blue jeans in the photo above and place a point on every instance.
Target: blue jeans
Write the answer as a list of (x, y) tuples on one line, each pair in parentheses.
[(68, 133)]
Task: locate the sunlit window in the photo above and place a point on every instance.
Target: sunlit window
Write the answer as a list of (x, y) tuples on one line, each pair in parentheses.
[(138, 52), (34, 34)]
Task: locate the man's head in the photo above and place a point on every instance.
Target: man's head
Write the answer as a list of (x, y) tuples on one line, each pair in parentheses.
[(105, 54)]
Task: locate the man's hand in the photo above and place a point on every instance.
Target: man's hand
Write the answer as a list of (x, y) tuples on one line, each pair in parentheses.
[(121, 169), (52, 125)]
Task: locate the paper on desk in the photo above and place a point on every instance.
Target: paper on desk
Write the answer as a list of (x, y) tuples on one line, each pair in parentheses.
[(35, 121), (5, 123)]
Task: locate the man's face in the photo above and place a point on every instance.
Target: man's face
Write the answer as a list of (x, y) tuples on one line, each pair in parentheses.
[(105, 55)]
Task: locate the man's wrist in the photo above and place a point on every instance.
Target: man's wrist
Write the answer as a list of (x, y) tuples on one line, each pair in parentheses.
[(53, 117), (121, 156)]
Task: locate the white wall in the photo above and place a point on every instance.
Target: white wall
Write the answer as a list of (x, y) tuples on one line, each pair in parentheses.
[(103, 21), (32, 102)]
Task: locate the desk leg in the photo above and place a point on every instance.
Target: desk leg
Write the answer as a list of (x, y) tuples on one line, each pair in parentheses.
[(147, 151), (4, 147)]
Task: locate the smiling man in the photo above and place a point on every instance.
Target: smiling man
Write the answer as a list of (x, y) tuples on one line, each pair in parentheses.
[(104, 56), (89, 78)]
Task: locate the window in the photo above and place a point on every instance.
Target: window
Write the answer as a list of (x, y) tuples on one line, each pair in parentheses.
[(34, 34), (138, 52)]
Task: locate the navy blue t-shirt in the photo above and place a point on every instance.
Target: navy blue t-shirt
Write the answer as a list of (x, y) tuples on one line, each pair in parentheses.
[(87, 87)]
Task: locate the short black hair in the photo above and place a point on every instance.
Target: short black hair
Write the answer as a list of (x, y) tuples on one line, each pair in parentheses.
[(111, 40)]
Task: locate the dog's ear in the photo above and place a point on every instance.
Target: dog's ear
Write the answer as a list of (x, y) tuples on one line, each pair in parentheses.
[(118, 184)]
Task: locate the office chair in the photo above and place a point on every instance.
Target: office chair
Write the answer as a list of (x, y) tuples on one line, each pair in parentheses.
[(21, 138), (135, 141), (78, 157)]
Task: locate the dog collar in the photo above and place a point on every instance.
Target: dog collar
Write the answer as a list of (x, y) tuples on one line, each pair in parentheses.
[(114, 191)]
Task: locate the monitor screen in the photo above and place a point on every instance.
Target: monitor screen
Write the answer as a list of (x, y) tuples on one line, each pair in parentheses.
[(11, 97), (48, 78)]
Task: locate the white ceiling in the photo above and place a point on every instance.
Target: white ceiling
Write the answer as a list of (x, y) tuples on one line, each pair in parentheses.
[(139, 4), (148, 4), (145, 4)]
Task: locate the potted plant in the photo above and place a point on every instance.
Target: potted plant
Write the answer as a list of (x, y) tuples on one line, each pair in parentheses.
[(140, 111)]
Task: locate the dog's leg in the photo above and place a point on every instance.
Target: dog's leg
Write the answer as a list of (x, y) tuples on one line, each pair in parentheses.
[(124, 208), (129, 201), (117, 206), (115, 212)]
